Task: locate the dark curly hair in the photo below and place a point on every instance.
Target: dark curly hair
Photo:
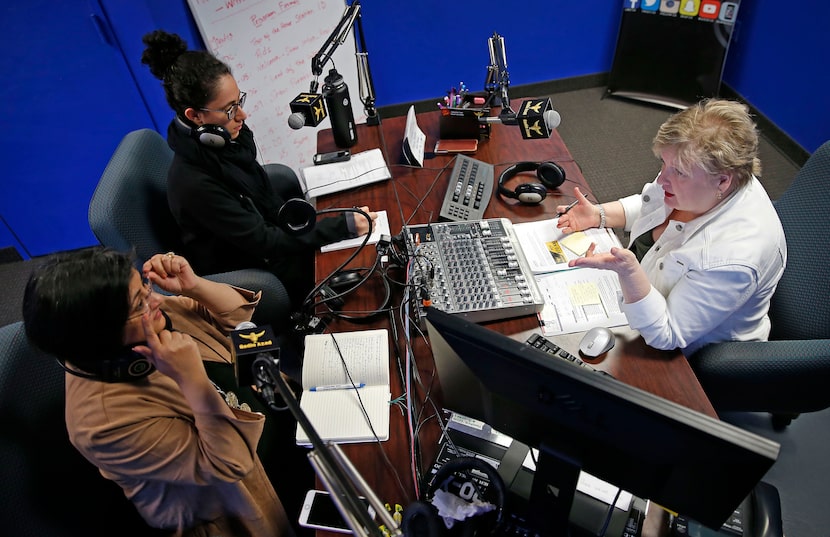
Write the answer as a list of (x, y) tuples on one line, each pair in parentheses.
[(189, 77), (76, 304)]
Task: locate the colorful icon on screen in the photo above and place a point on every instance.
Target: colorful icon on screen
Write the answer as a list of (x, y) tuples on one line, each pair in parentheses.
[(689, 8), (670, 6), (728, 11), (709, 9), (631, 4), (649, 5)]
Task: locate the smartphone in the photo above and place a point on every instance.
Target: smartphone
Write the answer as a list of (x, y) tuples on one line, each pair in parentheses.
[(320, 512), (334, 156)]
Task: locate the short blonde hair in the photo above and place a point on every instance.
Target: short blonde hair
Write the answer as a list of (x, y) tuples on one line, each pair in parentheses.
[(717, 135)]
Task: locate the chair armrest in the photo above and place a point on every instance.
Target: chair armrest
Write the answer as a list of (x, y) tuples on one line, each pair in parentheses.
[(765, 376), (275, 305)]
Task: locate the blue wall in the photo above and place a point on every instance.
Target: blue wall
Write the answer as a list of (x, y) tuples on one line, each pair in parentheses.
[(70, 96)]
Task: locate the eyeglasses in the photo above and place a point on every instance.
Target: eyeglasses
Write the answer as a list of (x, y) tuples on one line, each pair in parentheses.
[(144, 304), (232, 109)]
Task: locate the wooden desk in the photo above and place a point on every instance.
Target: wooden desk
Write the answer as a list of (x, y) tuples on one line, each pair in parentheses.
[(419, 193)]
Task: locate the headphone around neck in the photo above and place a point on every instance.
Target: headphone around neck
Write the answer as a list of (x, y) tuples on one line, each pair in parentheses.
[(550, 175), (209, 135), (127, 366)]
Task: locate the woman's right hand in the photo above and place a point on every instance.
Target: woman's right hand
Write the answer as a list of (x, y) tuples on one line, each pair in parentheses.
[(173, 353), (362, 227), (583, 216)]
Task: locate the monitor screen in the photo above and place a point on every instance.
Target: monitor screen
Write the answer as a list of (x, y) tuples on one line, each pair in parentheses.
[(681, 459)]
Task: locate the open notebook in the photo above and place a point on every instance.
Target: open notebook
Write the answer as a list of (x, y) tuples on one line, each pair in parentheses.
[(332, 365)]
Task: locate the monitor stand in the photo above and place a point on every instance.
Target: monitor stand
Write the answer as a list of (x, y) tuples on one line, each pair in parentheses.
[(552, 492)]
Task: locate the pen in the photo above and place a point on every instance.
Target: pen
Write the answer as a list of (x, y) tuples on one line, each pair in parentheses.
[(568, 208), (336, 387)]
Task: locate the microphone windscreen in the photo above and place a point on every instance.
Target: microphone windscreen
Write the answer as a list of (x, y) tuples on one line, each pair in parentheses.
[(296, 120), (552, 119)]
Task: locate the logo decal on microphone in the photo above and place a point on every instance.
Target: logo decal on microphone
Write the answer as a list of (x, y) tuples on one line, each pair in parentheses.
[(253, 337)]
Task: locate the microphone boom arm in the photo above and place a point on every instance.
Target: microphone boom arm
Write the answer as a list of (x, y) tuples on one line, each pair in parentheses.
[(338, 36), (335, 470)]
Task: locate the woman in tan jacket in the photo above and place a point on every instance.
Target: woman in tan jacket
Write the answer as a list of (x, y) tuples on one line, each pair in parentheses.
[(139, 403)]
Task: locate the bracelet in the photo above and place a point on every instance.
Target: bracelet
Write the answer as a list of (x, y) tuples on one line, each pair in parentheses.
[(601, 216)]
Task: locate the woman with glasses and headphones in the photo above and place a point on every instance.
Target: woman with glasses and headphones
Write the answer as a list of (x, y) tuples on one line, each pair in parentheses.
[(141, 402), (221, 197)]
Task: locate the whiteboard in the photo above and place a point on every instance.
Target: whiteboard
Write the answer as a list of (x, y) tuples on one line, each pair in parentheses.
[(268, 44)]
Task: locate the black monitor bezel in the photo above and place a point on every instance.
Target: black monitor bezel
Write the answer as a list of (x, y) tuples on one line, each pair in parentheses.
[(682, 459)]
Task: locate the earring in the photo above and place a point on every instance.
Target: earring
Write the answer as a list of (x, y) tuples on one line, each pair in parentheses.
[(720, 195)]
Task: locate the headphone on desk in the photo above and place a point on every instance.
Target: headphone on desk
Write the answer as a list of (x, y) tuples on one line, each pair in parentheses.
[(346, 281), (550, 174), (458, 476), (210, 135)]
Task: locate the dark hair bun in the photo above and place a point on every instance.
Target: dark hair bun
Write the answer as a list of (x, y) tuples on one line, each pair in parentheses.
[(163, 49)]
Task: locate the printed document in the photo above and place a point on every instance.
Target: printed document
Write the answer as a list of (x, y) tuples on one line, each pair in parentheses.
[(547, 249), (414, 140), (363, 168), (578, 300)]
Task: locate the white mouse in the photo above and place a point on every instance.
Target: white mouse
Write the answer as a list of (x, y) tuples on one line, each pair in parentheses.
[(596, 341)]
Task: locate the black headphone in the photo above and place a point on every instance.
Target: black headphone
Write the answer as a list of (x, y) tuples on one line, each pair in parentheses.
[(127, 366), (210, 135), (549, 173), (420, 519), (341, 284)]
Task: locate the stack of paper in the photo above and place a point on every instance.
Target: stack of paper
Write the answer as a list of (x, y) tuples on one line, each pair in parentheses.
[(362, 169)]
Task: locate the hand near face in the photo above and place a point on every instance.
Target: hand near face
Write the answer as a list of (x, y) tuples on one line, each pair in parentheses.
[(170, 272), (173, 353)]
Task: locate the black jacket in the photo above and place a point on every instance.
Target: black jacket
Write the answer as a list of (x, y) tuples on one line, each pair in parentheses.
[(226, 208)]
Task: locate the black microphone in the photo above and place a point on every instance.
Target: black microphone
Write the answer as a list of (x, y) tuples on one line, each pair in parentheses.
[(536, 119), (307, 110), (339, 104), (249, 342)]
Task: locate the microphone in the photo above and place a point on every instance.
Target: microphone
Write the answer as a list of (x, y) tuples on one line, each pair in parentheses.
[(336, 94), (249, 342), (307, 110), (536, 119)]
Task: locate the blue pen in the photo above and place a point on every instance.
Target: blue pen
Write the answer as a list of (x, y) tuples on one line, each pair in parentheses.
[(336, 387)]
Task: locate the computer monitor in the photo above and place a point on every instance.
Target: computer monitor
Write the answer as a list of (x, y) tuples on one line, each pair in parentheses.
[(579, 419)]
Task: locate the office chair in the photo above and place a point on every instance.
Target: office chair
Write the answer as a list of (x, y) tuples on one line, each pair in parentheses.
[(790, 373), (46, 487), (129, 210)]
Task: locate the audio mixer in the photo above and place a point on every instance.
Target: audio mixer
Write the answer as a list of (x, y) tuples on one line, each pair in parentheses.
[(472, 268)]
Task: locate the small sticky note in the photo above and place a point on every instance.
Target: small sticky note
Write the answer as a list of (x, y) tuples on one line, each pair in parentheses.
[(583, 294), (577, 242)]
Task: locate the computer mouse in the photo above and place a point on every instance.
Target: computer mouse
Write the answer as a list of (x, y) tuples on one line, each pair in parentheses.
[(596, 341)]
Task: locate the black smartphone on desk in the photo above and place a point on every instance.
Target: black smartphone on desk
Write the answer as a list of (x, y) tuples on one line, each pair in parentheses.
[(334, 156)]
